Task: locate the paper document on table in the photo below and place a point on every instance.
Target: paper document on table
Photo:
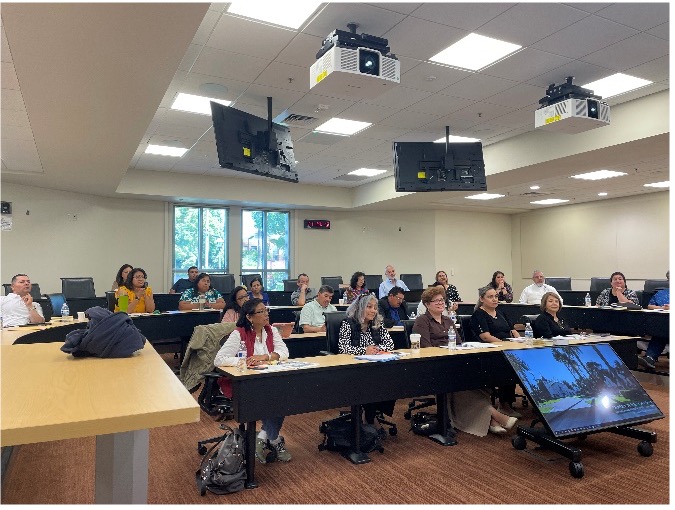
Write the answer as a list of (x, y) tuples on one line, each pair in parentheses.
[(378, 357), (290, 365), (477, 345)]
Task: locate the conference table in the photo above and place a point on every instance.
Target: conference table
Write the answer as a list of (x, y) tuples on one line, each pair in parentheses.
[(340, 380), (48, 395)]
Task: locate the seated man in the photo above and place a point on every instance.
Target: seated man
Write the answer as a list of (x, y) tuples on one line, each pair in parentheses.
[(17, 307), (312, 319), (392, 308), (390, 281), (304, 293), (532, 294), (185, 283), (659, 301)]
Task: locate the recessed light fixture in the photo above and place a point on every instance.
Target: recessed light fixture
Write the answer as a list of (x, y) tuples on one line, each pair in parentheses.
[(457, 139), (196, 104), (485, 196), (165, 150), (534, 187), (603, 194), (598, 174), (474, 52), (549, 201), (367, 172), (616, 84), (662, 184), (276, 13), (344, 127)]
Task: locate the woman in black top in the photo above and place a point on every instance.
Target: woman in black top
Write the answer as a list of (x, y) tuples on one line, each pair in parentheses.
[(451, 294), (548, 324)]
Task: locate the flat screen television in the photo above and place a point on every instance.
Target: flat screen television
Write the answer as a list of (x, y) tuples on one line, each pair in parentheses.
[(425, 166), (581, 389), (247, 144)]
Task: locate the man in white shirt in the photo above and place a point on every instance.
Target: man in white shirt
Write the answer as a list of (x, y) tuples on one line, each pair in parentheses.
[(532, 294), (390, 282), (17, 307), (312, 319)]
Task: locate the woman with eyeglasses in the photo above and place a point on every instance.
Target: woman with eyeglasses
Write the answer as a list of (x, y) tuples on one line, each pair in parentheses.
[(263, 344), (201, 289), (471, 410), (141, 299), (238, 297)]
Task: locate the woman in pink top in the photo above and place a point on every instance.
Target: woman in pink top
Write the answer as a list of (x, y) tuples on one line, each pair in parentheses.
[(238, 297)]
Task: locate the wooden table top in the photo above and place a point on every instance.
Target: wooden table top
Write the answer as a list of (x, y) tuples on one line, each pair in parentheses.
[(9, 335), (49, 395)]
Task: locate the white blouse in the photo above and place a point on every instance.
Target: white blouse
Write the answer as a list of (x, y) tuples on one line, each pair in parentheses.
[(227, 355)]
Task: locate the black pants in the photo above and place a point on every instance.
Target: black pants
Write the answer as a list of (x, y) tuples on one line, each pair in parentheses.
[(370, 410), (507, 394)]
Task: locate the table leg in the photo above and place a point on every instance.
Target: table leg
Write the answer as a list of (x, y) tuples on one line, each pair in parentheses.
[(122, 467), (249, 433), (355, 454), (443, 436)]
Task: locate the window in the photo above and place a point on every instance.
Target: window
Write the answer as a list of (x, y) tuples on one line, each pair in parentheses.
[(199, 239), (265, 246)]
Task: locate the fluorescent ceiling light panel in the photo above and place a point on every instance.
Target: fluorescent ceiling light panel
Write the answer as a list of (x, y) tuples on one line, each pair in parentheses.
[(534, 187), (549, 201), (485, 196), (165, 150), (367, 172), (662, 184), (603, 194), (457, 139), (598, 174), (475, 52), (276, 13), (196, 104), (336, 126), (616, 84)]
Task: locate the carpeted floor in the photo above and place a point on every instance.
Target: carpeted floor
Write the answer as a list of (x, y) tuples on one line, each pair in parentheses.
[(412, 469)]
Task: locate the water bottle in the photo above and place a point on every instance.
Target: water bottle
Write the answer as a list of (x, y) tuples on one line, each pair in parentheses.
[(452, 339), (453, 317), (587, 299), (65, 312), (413, 316), (241, 356), (529, 334)]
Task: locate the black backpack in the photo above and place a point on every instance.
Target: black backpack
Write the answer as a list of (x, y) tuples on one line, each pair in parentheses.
[(222, 470), (424, 424), (338, 435)]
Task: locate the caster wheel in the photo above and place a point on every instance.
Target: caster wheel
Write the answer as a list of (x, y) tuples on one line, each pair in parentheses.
[(577, 469), (406, 415), (519, 442), (271, 457), (201, 450), (645, 449), (393, 431)]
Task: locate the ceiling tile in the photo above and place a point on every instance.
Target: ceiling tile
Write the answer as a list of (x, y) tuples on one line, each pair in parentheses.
[(256, 97), (637, 15), (234, 34), (190, 57), (420, 39), (588, 7), (519, 96), (478, 87), (17, 118), (371, 19), (21, 156), (301, 51), (655, 70), (206, 27), (10, 132), (330, 106), (629, 53), (155, 163), (227, 64), (285, 76), (12, 100), (193, 82), (440, 104), (188, 119), (398, 97), (662, 31), (409, 119), (8, 76), (432, 77), (526, 64), (368, 112), (170, 131), (582, 72), (465, 16), (5, 54)]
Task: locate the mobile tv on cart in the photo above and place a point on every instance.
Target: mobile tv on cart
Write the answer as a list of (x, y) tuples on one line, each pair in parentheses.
[(579, 390)]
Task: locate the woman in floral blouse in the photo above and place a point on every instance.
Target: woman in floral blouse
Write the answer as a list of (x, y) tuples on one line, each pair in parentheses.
[(357, 287)]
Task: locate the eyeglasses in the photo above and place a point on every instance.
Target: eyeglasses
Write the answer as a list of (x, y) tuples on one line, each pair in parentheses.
[(438, 301), (139, 277), (261, 311), (242, 297), (399, 298)]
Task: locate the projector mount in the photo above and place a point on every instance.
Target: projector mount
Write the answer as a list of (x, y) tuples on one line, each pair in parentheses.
[(351, 39), (556, 93)]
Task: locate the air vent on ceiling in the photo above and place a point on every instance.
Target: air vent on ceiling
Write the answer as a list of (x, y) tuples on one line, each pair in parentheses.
[(297, 120), (535, 194), (347, 177)]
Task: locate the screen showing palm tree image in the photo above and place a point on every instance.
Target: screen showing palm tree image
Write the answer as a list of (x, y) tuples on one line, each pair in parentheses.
[(582, 388)]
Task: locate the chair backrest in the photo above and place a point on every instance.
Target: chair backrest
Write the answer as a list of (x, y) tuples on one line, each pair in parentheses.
[(223, 283), (373, 282), (56, 302), (413, 281), (333, 281), (246, 279), (560, 283), (407, 328), (110, 300), (411, 307), (35, 291), (297, 328), (333, 321), (465, 330), (652, 285), (290, 285), (7, 287), (599, 284), (81, 287)]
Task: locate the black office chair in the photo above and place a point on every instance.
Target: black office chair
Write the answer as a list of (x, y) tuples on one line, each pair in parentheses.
[(110, 299), (55, 302), (247, 278), (598, 284), (654, 285), (465, 329), (560, 283), (411, 307), (413, 281), (525, 318), (297, 328), (7, 287), (78, 287), (416, 403), (373, 282), (34, 291), (290, 285), (407, 329), (333, 281), (223, 283)]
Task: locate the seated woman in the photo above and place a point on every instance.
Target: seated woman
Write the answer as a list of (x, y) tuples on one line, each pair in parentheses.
[(422, 309), (357, 287), (238, 297), (470, 410), (504, 290), (201, 289), (548, 324), (451, 294), (263, 344), (617, 293), (362, 332), (257, 291), (121, 277), (140, 297), (489, 325)]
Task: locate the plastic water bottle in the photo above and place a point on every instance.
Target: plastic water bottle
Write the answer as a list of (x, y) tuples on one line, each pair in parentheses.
[(65, 312), (452, 339), (241, 356), (587, 299), (453, 316), (413, 316), (529, 334)]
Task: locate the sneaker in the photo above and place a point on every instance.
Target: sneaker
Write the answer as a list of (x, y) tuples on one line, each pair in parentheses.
[(282, 453), (260, 446), (510, 423), (497, 429), (647, 361)]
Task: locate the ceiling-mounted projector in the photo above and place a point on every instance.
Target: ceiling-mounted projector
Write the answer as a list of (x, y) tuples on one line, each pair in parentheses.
[(571, 109), (355, 66)]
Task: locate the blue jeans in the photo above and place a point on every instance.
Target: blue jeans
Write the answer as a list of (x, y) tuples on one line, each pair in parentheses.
[(272, 426), (656, 346)]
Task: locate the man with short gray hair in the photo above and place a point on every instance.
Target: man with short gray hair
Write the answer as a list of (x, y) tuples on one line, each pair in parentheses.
[(17, 307), (532, 294)]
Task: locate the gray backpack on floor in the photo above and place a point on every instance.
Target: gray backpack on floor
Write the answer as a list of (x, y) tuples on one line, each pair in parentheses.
[(222, 471)]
